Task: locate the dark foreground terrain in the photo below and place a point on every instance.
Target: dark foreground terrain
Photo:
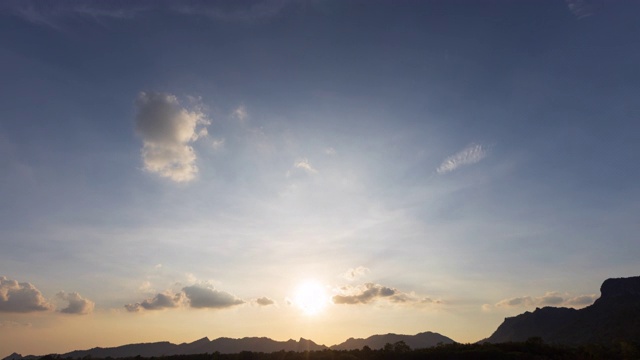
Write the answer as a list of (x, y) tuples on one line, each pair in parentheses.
[(534, 349)]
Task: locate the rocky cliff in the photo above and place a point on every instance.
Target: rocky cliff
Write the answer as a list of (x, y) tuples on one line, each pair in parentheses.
[(614, 317)]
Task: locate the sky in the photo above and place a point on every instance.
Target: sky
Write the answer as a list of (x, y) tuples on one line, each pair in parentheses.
[(322, 169)]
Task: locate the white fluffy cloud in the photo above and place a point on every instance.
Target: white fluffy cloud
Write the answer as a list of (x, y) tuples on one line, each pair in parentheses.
[(552, 298), (167, 130), (467, 156), (77, 304), (21, 297)]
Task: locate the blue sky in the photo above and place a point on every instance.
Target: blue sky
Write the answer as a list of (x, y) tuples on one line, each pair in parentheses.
[(419, 165)]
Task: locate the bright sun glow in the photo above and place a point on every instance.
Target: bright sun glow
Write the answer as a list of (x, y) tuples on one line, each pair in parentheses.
[(310, 297)]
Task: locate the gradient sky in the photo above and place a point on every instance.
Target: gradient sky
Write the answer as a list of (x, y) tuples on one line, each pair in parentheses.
[(174, 170)]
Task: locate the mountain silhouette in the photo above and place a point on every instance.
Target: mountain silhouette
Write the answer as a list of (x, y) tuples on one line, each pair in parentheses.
[(202, 346), (418, 341), (613, 318), (225, 345)]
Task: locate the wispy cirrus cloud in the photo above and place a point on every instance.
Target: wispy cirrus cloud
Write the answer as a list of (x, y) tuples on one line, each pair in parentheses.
[(243, 11), (581, 8), (53, 14), (167, 131), (305, 165), (470, 155)]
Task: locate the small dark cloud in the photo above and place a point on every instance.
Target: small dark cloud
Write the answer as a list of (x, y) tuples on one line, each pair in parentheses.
[(207, 297), (21, 297), (367, 293), (77, 304), (158, 302), (264, 301)]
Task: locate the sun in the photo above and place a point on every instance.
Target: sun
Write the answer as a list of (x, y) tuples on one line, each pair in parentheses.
[(310, 297)]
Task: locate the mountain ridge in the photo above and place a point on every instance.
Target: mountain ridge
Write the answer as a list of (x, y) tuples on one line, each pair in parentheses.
[(230, 346)]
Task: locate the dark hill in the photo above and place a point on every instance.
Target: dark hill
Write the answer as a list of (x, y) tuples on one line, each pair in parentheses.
[(202, 346), (418, 341), (614, 317)]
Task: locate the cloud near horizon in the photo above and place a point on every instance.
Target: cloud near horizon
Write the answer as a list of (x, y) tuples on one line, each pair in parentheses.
[(205, 296), (21, 297), (195, 296), (470, 155), (368, 293), (551, 298), (167, 130), (160, 301), (77, 304)]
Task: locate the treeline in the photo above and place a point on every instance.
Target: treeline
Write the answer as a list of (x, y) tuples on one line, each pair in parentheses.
[(533, 349)]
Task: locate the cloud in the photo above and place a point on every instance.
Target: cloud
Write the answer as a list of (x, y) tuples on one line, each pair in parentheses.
[(305, 165), (217, 144), (467, 156), (77, 304), (581, 8), (354, 274), (240, 114), (582, 300), (368, 293), (167, 130), (203, 296), (233, 11), (21, 297), (264, 301), (13, 324), (53, 14), (330, 151), (159, 302), (552, 298)]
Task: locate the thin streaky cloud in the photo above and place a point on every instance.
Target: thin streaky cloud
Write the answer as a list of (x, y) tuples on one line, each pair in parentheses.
[(467, 156), (305, 165), (580, 8)]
